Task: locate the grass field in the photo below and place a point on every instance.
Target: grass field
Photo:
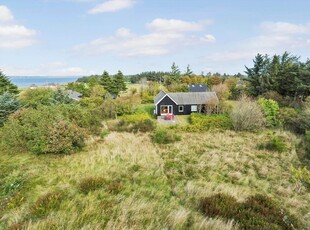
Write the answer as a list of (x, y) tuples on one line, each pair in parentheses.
[(127, 182)]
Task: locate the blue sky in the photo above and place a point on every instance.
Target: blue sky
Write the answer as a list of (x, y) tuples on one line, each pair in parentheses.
[(82, 37)]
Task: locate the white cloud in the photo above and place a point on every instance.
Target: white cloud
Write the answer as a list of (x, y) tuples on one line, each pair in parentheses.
[(285, 28), (173, 25), (274, 38), (162, 39), (5, 14), (49, 69), (13, 35), (112, 6)]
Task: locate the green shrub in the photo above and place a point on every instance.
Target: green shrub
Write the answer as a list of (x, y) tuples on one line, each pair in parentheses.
[(257, 212), (271, 111), (201, 122), (42, 130), (140, 122), (35, 98), (89, 184), (144, 126), (274, 143), (295, 120), (135, 118), (165, 136), (111, 108), (46, 203), (288, 117)]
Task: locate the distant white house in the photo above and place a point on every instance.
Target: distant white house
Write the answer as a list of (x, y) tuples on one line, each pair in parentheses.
[(74, 95)]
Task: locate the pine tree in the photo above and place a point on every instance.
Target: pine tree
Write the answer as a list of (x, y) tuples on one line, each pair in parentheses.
[(175, 71), (118, 83), (6, 85), (258, 75), (188, 72), (105, 80)]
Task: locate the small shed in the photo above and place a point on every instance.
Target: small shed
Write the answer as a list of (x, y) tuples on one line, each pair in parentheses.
[(183, 103)]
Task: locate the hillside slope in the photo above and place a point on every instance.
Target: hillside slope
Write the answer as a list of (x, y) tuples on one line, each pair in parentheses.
[(127, 182)]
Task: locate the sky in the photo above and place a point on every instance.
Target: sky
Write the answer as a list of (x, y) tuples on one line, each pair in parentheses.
[(83, 37)]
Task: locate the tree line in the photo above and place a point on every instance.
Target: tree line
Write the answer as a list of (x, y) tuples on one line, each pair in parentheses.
[(284, 74)]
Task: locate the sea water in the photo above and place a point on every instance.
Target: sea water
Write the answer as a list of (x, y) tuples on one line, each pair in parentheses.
[(26, 81)]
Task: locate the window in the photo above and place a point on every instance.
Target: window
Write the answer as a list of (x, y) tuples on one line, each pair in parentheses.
[(194, 108), (165, 109), (181, 108)]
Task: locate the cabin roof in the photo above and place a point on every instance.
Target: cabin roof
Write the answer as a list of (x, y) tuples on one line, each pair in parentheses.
[(187, 98)]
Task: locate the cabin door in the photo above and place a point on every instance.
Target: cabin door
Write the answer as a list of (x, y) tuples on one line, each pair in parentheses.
[(166, 109)]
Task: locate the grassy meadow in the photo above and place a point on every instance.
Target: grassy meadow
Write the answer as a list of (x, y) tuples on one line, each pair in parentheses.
[(125, 181)]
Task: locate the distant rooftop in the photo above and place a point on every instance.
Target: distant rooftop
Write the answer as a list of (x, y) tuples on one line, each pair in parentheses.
[(198, 88)]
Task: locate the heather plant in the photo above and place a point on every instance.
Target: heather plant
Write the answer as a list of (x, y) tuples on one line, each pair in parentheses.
[(89, 184), (46, 203), (257, 212)]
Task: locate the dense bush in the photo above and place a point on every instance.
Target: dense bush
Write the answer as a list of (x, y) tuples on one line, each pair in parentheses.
[(36, 97), (294, 120), (165, 136), (257, 212), (200, 122), (111, 108), (43, 130), (135, 122), (247, 115), (271, 111), (135, 118), (288, 117), (273, 95)]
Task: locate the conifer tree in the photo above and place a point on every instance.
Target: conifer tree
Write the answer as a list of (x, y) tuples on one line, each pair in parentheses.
[(106, 81), (6, 85), (118, 83)]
